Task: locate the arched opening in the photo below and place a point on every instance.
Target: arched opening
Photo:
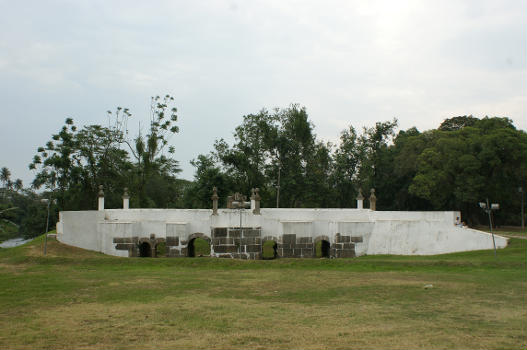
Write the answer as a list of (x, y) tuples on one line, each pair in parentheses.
[(198, 247), (322, 249), (269, 250), (144, 250)]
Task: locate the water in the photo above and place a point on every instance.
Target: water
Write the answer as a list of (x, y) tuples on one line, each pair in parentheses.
[(14, 242)]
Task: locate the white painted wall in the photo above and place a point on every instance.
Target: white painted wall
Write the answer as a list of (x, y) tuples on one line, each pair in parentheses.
[(383, 232)]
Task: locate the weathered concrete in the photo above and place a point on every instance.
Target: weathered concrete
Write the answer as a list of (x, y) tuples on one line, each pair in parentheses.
[(350, 232)]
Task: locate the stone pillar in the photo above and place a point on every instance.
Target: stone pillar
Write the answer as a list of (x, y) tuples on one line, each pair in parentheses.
[(101, 198), (373, 199), (257, 198), (214, 201), (253, 205), (360, 200), (126, 199)]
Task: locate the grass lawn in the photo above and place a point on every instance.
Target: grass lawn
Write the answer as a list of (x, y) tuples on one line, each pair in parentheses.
[(76, 299)]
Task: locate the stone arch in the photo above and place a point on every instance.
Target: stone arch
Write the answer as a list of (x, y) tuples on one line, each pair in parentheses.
[(151, 242), (145, 250), (191, 239), (198, 235), (269, 250), (322, 247)]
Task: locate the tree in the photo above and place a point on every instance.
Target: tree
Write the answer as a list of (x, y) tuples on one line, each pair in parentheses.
[(347, 160), (76, 161), (5, 176), (153, 169), (17, 185), (208, 175), (456, 123), (461, 167)]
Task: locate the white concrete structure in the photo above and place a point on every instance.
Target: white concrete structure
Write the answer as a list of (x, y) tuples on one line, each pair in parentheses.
[(355, 231)]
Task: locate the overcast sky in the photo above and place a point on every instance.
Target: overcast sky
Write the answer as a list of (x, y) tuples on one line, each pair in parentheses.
[(347, 62)]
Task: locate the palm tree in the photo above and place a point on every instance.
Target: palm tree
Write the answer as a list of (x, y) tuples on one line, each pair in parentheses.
[(18, 185), (5, 176)]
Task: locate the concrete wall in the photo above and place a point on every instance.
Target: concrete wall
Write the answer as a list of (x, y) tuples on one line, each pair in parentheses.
[(351, 232)]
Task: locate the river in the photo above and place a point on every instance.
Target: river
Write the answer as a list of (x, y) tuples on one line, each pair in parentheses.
[(13, 242)]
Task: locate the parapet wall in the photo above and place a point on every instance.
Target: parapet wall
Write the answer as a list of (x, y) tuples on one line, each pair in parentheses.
[(241, 234)]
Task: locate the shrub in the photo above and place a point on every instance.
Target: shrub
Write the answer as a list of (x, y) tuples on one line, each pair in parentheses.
[(318, 249), (269, 250), (161, 249), (201, 247)]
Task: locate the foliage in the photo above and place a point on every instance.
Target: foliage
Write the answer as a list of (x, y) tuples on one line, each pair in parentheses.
[(23, 212), (464, 161), (75, 162), (269, 250), (161, 249), (201, 247), (453, 167), (318, 249)]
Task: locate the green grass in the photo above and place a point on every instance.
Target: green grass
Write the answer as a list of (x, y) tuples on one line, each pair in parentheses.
[(74, 298)]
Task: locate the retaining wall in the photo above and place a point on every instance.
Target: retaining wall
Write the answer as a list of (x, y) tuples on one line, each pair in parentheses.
[(349, 232)]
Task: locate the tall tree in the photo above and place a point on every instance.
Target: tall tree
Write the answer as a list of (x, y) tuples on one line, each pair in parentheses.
[(154, 170)]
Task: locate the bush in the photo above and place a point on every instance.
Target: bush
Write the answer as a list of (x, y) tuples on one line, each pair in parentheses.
[(318, 249), (201, 247), (161, 249), (269, 250)]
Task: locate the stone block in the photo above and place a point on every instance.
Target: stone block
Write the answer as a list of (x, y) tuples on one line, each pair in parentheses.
[(226, 249), (245, 241), (286, 253), (343, 239), (347, 253), (172, 241), (297, 253), (307, 253), (284, 246), (253, 248), (174, 253), (122, 246), (348, 246), (234, 232), (219, 232), (227, 240), (118, 240), (183, 242), (251, 232), (222, 241), (304, 240), (356, 239), (289, 239)]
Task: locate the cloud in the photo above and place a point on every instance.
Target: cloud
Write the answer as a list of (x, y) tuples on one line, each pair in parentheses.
[(352, 62)]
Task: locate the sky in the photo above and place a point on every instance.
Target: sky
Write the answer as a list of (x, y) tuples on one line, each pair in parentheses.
[(348, 62)]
